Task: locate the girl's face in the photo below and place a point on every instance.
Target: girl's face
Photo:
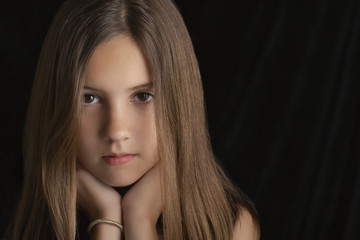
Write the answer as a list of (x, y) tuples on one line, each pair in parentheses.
[(118, 137)]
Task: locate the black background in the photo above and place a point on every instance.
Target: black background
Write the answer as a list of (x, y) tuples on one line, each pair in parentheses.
[(282, 93)]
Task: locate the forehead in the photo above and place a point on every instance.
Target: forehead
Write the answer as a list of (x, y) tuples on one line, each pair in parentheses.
[(117, 59)]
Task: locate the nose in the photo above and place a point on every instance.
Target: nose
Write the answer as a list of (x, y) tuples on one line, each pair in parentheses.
[(116, 124)]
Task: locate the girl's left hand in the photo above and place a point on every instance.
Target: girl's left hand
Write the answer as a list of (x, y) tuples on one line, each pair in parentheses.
[(142, 206)]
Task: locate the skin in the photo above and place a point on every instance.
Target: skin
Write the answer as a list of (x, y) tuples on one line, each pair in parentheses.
[(245, 228), (118, 118)]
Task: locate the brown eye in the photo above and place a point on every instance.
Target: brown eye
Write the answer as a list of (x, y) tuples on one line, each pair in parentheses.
[(143, 97), (90, 99)]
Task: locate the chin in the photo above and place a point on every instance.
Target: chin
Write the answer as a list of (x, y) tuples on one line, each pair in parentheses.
[(120, 182)]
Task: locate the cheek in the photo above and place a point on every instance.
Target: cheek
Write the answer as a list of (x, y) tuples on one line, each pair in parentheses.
[(143, 119), (86, 138), (83, 144), (146, 132), (153, 142)]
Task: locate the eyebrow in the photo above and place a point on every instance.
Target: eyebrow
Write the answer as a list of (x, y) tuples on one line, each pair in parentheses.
[(91, 88), (133, 89), (141, 87)]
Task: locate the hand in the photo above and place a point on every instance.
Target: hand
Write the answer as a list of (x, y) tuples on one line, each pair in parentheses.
[(142, 206), (95, 198)]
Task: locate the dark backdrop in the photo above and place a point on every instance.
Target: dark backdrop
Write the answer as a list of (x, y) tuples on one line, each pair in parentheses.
[(281, 87)]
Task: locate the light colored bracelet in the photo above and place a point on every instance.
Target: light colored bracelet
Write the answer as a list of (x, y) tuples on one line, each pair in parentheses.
[(97, 221)]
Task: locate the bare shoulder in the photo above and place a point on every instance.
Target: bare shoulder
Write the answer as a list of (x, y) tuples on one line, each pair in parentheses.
[(246, 228)]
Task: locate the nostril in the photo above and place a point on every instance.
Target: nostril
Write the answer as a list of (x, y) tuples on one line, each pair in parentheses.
[(116, 132)]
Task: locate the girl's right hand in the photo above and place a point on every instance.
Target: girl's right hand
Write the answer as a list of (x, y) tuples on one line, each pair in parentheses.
[(96, 199)]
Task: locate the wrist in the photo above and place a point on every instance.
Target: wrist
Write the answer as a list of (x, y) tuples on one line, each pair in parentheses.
[(132, 225), (135, 215), (114, 215)]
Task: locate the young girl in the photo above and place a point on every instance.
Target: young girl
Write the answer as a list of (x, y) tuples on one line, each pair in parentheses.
[(116, 135)]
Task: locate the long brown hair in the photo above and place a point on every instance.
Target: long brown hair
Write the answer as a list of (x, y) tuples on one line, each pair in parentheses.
[(199, 200)]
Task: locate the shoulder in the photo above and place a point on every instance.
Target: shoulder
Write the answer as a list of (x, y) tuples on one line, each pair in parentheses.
[(246, 227)]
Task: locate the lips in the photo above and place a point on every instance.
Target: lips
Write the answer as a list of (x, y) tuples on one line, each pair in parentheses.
[(118, 159)]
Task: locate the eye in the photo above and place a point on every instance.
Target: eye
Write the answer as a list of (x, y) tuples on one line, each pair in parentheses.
[(143, 97), (90, 98)]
